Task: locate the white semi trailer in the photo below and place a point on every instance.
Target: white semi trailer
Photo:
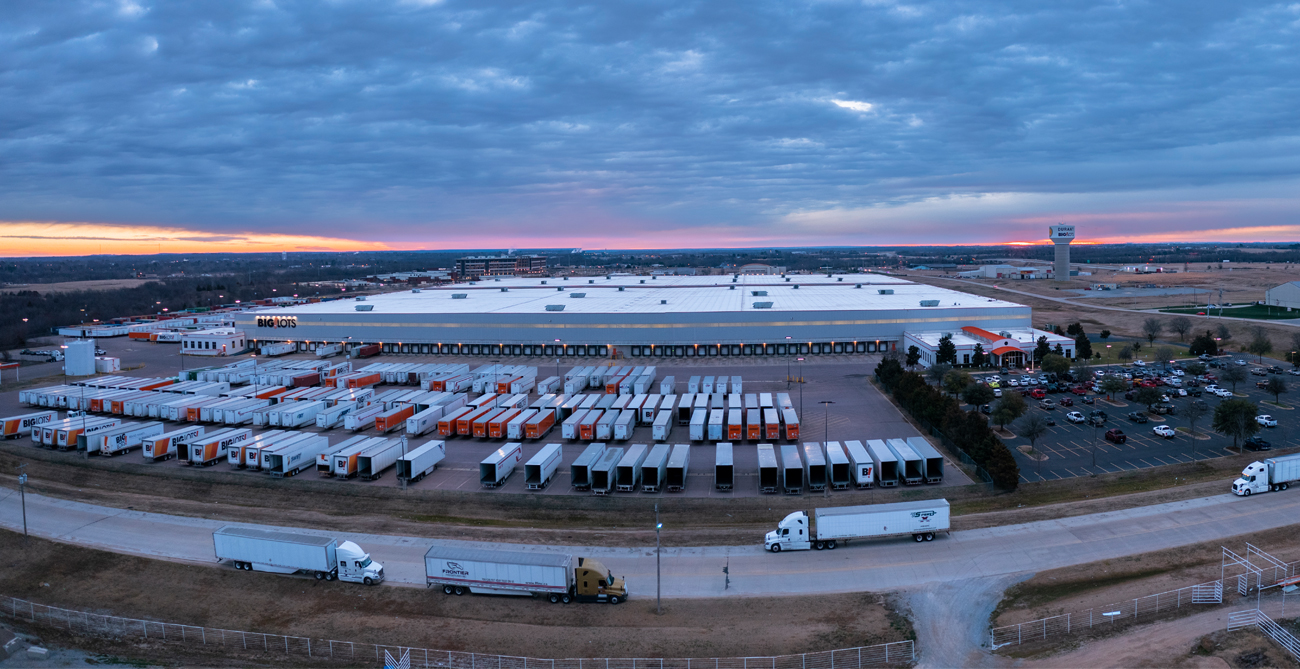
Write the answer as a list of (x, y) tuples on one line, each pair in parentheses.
[(921, 520), (281, 552), (1271, 475), (555, 576)]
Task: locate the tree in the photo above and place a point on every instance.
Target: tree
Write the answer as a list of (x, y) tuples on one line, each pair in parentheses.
[(1125, 354), (1233, 374), (1164, 355), (977, 357), (947, 352), (1148, 396), (1224, 333), (1181, 325), (1042, 348), (1032, 427), (1194, 412), (1275, 387), (956, 381), (1113, 384), (1195, 368), (936, 371), (1059, 350), (1074, 329), (1105, 334), (889, 371), (1055, 364), (1260, 345), (977, 394), (913, 356), (1236, 418), (1008, 409), (1082, 347), (1083, 371), (1151, 328), (1204, 345)]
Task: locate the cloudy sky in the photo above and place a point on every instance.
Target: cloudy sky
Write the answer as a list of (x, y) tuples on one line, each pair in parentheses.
[(136, 126)]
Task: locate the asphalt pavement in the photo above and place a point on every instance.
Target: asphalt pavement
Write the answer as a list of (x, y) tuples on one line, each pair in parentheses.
[(868, 565)]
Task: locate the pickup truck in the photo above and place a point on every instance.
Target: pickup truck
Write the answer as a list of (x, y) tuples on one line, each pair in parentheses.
[(1116, 435), (1138, 417)]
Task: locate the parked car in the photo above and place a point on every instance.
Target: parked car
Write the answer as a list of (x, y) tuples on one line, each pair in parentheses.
[(1200, 404), (1223, 393), (1066, 402), (1266, 420), (1139, 363), (1181, 393), (1138, 417), (1256, 444), (1079, 390), (1013, 383), (1241, 363), (986, 410), (1089, 399), (1259, 371), (1274, 369), (1116, 435), (1047, 405), (1164, 431), (997, 392), (1293, 372), (1049, 420), (1075, 417), (1261, 384), (1038, 393)]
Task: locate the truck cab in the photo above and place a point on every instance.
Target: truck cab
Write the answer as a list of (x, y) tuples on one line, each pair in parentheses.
[(355, 565), (593, 582), (793, 533), (1254, 478)]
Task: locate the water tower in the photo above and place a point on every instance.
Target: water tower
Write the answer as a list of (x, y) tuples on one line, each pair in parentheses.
[(1061, 236)]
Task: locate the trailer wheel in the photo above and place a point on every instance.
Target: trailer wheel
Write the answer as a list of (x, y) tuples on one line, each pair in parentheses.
[(830, 545), (331, 576), (554, 598), (447, 590), (614, 599), (776, 548), (929, 536), (918, 538), (320, 576), (566, 598), (460, 590), (817, 545), (1286, 485)]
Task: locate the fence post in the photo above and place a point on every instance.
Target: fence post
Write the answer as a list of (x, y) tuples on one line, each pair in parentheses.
[(1067, 623)]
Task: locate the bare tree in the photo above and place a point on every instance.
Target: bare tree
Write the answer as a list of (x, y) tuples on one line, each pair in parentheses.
[(1182, 325), (1224, 333), (1032, 427), (1151, 328)]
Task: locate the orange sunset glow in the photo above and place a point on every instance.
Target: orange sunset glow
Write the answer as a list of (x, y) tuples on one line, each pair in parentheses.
[(25, 239)]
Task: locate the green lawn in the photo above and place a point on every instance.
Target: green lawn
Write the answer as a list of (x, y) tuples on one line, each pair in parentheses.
[(1256, 311)]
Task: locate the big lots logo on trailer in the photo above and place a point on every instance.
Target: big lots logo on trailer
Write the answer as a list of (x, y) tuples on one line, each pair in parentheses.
[(277, 321)]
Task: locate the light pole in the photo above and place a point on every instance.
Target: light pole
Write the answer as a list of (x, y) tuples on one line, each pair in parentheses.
[(659, 591), (800, 386), (826, 431), (787, 364), (22, 488)]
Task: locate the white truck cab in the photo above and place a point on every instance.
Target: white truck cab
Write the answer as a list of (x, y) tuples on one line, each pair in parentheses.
[(791, 534), (355, 565)]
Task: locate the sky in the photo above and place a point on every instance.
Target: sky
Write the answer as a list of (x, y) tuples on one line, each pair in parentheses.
[(134, 126)]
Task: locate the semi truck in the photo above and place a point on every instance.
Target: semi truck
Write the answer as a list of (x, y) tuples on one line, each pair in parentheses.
[(280, 552), (921, 520), (556, 576), (1271, 475)]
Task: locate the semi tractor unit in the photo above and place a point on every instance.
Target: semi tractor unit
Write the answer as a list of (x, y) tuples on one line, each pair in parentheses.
[(555, 576), (921, 520), (281, 552), (1271, 475)]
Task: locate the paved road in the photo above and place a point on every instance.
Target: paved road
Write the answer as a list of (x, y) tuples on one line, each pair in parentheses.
[(883, 565)]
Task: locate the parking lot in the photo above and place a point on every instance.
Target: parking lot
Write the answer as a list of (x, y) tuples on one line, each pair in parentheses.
[(1078, 449), (856, 411)]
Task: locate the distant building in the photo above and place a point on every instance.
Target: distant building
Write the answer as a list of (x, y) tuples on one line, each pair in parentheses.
[(1012, 347), (223, 341), (1286, 295), (500, 266), (756, 269), (1007, 272)]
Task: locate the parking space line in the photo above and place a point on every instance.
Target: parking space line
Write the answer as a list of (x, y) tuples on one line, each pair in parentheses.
[(1145, 462)]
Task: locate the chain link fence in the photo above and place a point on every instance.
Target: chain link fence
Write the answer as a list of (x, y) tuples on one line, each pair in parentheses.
[(1210, 592), (236, 642)]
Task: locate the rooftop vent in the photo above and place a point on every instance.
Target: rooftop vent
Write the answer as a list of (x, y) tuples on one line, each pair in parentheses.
[(762, 305), (459, 296), (733, 279), (929, 303), (663, 301), (497, 280), (857, 285), (839, 278), (543, 283), (591, 281), (577, 294), (365, 307), (758, 293), (560, 288), (505, 290), (731, 287), (555, 307), (415, 290), (642, 280), (620, 289), (787, 279), (796, 286), (886, 291), (361, 299)]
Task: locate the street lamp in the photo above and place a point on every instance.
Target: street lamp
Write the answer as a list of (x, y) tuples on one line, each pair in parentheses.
[(659, 591), (22, 487), (826, 431), (800, 386), (787, 365)]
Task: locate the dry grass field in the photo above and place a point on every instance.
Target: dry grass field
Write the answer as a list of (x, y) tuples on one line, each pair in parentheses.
[(70, 286)]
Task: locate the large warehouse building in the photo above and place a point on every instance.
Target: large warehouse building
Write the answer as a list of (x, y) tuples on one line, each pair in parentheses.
[(639, 316)]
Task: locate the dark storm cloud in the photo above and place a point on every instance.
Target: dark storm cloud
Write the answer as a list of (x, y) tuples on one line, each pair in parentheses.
[(402, 120)]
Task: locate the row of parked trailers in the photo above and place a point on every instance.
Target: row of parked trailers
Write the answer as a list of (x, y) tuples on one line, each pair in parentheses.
[(291, 373), (815, 465)]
